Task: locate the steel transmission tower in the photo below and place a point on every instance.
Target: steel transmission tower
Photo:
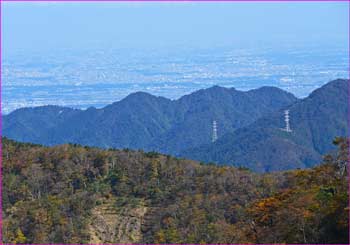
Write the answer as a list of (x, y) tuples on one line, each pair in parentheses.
[(215, 132), (286, 119)]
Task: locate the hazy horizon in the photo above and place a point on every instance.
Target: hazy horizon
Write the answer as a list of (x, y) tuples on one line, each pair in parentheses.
[(47, 25), (60, 53)]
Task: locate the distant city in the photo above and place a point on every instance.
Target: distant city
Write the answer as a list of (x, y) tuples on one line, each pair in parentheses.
[(100, 77)]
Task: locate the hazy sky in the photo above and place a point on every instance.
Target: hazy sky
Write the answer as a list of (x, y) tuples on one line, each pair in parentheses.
[(43, 26)]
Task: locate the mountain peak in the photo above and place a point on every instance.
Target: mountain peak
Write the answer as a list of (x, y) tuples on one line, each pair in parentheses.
[(214, 90), (336, 87), (138, 97), (219, 88), (269, 90), (139, 94)]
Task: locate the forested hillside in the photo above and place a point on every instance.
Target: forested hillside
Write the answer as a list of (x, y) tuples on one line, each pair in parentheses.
[(249, 125), (144, 121), (75, 194), (262, 146)]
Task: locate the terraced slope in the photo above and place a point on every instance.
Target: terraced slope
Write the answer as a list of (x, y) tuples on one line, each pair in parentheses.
[(113, 224)]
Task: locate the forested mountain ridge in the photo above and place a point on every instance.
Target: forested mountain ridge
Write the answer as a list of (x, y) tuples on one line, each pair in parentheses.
[(263, 146), (249, 125), (68, 193), (233, 109), (144, 121)]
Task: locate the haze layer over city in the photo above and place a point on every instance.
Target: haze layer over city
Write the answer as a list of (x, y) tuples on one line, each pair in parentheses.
[(57, 54)]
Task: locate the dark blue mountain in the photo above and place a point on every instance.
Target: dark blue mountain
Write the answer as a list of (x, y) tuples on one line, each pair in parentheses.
[(144, 121), (263, 146)]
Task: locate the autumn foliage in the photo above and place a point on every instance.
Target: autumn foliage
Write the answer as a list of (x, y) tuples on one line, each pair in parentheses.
[(48, 195)]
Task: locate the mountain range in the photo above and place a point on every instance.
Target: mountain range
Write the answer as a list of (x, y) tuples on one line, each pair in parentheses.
[(144, 121), (264, 146), (249, 125)]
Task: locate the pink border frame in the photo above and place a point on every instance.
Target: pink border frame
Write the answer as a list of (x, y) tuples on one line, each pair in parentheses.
[(155, 1), (175, 1)]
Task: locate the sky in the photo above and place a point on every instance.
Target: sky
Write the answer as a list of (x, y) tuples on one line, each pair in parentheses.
[(55, 25)]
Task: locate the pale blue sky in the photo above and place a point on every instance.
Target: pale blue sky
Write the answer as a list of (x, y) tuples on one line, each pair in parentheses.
[(43, 26)]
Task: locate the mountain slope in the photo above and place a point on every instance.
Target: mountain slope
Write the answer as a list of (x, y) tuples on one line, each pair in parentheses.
[(232, 109), (144, 121), (33, 124), (78, 195), (263, 146)]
